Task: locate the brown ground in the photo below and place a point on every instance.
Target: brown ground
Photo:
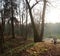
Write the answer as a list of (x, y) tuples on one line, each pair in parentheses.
[(38, 49), (42, 49), (14, 44)]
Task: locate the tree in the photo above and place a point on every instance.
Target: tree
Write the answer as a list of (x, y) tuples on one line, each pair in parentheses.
[(26, 22), (11, 7), (12, 23), (42, 24), (36, 34), (1, 39), (1, 31)]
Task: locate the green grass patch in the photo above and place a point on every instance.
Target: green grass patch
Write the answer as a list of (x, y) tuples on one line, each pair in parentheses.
[(17, 49)]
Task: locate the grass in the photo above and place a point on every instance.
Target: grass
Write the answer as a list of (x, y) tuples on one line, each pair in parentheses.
[(44, 49), (17, 49)]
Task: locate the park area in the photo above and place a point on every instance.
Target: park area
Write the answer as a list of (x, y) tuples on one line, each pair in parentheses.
[(29, 27), (12, 47)]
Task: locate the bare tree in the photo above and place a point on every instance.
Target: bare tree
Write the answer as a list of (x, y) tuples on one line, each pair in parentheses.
[(1, 31), (26, 22), (37, 37), (42, 24), (10, 9), (1, 39), (12, 13), (36, 34)]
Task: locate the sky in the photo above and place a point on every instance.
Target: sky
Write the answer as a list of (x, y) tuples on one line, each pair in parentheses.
[(53, 12), (53, 15)]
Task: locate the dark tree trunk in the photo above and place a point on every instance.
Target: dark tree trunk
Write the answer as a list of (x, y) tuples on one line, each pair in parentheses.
[(1, 39), (12, 23), (2, 27), (1, 35), (36, 35), (26, 23), (21, 27), (42, 24), (4, 19)]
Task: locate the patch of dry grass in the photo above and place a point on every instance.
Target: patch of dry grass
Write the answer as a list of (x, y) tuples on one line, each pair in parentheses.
[(44, 49)]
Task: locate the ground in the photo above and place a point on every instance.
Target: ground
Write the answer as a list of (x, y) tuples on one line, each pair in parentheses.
[(15, 45), (19, 47), (42, 49)]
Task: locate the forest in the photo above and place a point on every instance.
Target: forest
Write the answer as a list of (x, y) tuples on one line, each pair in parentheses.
[(29, 28)]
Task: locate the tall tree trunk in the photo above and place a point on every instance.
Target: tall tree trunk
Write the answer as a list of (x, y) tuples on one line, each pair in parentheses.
[(3, 24), (22, 26), (1, 39), (42, 24), (12, 23), (1, 35), (26, 22), (20, 16), (36, 35), (13, 35), (20, 23)]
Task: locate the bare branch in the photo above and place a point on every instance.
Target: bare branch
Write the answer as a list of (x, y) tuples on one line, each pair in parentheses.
[(51, 4), (29, 1), (35, 4), (28, 4)]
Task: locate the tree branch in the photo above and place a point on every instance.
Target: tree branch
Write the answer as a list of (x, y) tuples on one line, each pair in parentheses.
[(51, 4), (29, 1), (35, 4), (28, 4)]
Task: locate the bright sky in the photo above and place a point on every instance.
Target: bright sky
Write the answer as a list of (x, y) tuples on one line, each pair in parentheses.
[(53, 12), (53, 15)]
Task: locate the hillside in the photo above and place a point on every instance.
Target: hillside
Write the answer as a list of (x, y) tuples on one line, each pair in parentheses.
[(42, 49), (52, 29)]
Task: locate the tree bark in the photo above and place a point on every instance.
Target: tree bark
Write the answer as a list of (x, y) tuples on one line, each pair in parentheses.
[(12, 23), (1, 35), (42, 24), (1, 39), (26, 22), (22, 26), (36, 35)]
